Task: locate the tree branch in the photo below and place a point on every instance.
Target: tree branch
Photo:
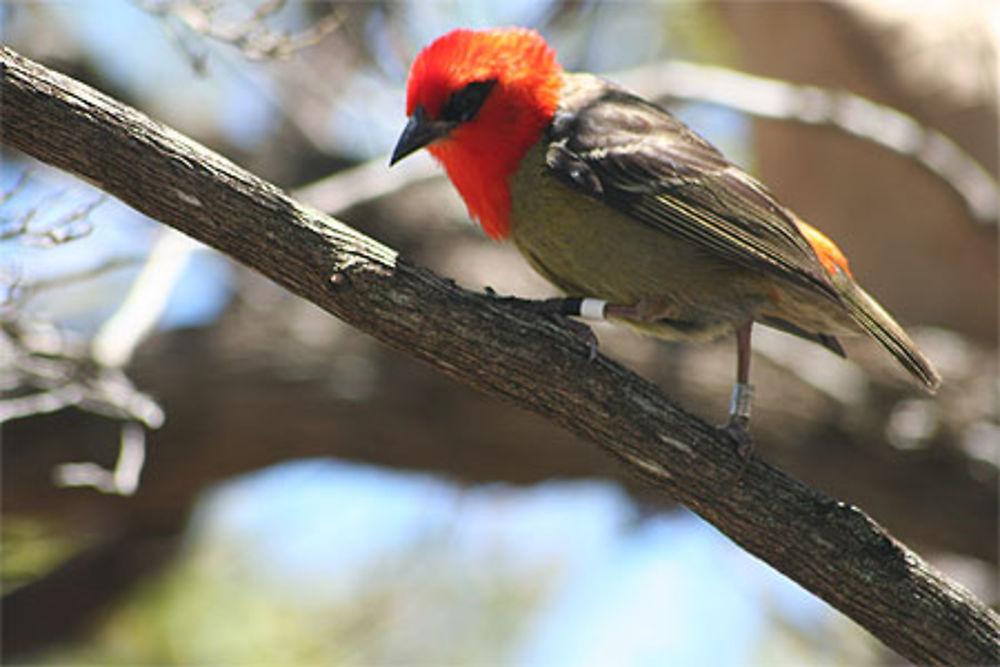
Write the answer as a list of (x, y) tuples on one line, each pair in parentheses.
[(829, 547)]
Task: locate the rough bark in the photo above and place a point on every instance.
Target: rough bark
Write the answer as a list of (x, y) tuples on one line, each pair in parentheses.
[(831, 548)]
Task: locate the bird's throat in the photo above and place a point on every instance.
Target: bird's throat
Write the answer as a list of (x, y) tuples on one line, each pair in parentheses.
[(482, 155), (482, 182)]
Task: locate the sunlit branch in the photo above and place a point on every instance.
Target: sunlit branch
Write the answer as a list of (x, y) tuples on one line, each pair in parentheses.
[(123, 480), (119, 336)]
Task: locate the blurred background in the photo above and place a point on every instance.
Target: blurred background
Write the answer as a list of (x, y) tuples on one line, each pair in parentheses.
[(198, 467)]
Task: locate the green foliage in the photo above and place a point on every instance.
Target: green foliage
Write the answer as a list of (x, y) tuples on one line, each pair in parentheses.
[(29, 548)]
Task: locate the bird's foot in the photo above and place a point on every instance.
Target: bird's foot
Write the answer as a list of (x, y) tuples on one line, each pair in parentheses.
[(561, 311), (581, 331), (738, 428)]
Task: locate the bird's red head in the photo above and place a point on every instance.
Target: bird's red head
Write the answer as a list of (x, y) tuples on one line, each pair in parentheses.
[(478, 100)]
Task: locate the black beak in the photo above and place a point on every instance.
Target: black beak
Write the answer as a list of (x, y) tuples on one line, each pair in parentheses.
[(419, 131)]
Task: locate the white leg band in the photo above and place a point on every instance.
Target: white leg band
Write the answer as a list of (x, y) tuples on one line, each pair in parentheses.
[(593, 309), (741, 401)]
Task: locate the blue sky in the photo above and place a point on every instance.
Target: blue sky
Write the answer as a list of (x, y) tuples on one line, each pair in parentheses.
[(633, 591)]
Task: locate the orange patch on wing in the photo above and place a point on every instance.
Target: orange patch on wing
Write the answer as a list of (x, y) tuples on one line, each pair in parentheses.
[(830, 256)]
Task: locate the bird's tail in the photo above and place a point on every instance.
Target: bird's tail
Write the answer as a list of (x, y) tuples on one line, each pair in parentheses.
[(873, 319)]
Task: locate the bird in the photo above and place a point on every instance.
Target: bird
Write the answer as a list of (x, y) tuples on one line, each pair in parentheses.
[(628, 212)]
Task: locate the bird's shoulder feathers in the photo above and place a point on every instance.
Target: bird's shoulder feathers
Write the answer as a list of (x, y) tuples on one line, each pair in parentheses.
[(641, 160)]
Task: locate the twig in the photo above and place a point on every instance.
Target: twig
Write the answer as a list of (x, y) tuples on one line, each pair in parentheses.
[(16, 187), (106, 389), (252, 37), (26, 226), (120, 335), (123, 480), (109, 265), (61, 374), (41, 403), (365, 182), (831, 548)]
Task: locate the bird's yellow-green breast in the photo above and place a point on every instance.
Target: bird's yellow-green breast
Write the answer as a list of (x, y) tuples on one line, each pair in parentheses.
[(587, 248)]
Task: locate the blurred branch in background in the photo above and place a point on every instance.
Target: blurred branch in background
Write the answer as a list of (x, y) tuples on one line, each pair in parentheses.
[(251, 34), (49, 369), (120, 335), (112, 348), (364, 183), (123, 480), (40, 225)]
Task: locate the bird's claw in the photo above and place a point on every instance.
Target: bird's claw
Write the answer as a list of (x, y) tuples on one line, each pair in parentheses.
[(738, 429), (580, 330)]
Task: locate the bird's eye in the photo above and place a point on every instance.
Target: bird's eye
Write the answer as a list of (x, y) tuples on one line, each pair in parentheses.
[(464, 104)]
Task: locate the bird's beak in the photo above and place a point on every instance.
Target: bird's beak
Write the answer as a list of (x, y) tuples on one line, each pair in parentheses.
[(420, 131)]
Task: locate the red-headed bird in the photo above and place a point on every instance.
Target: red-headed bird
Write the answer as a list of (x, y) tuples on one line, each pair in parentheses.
[(626, 210)]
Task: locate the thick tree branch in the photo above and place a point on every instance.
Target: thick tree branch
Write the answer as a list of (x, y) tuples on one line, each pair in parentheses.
[(829, 547)]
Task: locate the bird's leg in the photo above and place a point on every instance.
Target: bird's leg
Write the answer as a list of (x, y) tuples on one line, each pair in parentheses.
[(742, 398)]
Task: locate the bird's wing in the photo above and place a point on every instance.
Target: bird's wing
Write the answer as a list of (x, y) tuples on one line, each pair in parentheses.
[(641, 160)]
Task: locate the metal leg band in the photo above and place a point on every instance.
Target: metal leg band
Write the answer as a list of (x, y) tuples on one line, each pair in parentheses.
[(742, 400), (593, 309)]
